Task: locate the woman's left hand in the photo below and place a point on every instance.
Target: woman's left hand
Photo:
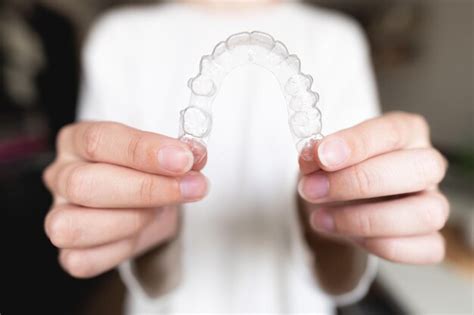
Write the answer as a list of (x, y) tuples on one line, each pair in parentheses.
[(376, 184)]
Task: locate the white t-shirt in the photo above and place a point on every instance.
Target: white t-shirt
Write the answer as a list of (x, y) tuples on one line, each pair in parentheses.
[(243, 251)]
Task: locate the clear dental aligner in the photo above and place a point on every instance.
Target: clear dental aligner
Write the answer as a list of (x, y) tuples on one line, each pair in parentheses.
[(260, 49)]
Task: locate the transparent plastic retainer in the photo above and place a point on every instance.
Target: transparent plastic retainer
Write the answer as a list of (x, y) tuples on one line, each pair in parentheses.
[(261, 49)]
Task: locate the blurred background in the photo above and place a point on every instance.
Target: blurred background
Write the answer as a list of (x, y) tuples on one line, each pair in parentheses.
[(423, 58)]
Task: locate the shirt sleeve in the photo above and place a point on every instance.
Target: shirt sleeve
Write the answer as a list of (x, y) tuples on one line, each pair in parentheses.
[(362, 287)]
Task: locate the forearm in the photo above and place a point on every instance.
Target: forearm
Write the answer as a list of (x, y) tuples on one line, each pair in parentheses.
[(157, 271), (338, 264)]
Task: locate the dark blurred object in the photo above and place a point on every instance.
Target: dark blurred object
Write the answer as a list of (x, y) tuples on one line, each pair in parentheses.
[(459, 252), (38, 70), (391, 26), (32, 279), (377, 301), (58, 82), (393, 34), (83, 13), (38, 95)]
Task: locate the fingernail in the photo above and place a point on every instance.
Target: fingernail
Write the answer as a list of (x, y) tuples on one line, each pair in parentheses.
[(175, 158), (308, 151), (193, 187), (199, 153), (198, 150), (333, 152), (321, 220), (314, 186)]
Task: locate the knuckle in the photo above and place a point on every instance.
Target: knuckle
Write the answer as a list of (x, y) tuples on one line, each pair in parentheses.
[(437, 211), (432, 167), (363, 180), (420, 124), (390, 250), (430, 218), (63, 136), (147, 189), (407, 122), (63, 133), (363, 224), (135, 147), (440, 165), (77, 265), (92, 139), (364, 145), (139, 219), (392, 136), (398, 116), (77, 186), (444, 205), (48, 176), (59, 229), (397, 113)]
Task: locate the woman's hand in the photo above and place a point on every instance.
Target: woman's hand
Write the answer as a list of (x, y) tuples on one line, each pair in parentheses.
[(116, 191), (376, 184)]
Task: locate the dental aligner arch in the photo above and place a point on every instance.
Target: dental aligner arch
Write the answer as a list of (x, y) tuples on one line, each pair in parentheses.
[(261, 49)]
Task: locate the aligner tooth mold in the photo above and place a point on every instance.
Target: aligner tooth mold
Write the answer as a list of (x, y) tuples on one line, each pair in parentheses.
[(261, 49)]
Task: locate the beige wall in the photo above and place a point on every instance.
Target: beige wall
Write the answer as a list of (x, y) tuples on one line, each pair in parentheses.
[(439, 84)]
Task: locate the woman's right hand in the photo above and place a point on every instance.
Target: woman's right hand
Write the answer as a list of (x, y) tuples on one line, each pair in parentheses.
[(115, 193)]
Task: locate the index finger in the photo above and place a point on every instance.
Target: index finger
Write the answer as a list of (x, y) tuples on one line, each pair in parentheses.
[(390, 132), (115, 143)]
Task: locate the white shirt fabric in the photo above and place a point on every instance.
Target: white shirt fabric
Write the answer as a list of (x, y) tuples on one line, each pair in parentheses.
[(243, 249)]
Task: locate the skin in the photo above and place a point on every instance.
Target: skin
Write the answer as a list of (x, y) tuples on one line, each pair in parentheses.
[(376, 184), (110, 181), (371, 188), (116, 191)]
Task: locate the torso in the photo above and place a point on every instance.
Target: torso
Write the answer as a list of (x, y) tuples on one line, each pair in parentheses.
[(242, 249)]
